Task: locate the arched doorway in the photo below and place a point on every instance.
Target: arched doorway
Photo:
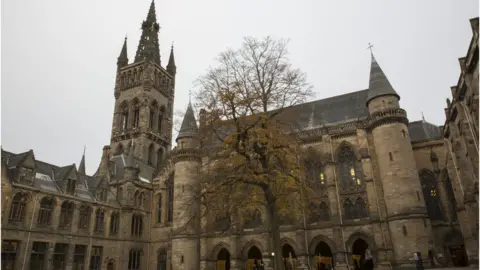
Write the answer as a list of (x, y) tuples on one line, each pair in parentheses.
[(323, 256), (289, 257), (253, 255), (223, 260), (358, 252), (111, 265), (455, 248)]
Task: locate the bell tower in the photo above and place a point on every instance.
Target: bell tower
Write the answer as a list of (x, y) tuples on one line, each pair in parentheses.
[(144, 94)]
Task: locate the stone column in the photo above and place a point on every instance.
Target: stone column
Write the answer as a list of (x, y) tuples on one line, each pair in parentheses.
[(234, 263), (49, 255), (56, 215), (69, 258), (340, 253)]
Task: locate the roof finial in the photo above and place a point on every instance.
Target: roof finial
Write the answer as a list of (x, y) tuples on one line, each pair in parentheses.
[(370, 46), (172, 45), (423, 117), (84, 149), (190, 96)]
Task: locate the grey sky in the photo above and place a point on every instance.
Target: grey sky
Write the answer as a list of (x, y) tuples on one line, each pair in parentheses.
[(59, 57)]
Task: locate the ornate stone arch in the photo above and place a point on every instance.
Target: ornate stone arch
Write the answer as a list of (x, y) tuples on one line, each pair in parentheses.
[(218, 248), (318, 239), (249, 245), (345, 144), (293, 244), (360, 234)]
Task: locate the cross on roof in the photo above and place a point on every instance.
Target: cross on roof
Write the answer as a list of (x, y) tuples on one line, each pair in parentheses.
[(370, 46), (190, 96)]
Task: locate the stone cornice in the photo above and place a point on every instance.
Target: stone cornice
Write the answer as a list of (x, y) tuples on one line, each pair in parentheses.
[(385, 117), (188, 154)]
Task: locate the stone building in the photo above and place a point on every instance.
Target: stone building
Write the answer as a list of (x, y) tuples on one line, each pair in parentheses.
[(401, 199)]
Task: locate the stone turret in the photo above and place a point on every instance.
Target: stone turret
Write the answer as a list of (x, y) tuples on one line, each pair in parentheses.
[(403, 196), (185, 241)]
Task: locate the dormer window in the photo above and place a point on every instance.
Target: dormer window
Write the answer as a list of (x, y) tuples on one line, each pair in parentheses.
[(71, 184), (102, 195)]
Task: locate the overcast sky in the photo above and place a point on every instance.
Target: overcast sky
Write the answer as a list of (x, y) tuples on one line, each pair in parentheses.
[(59, 57)]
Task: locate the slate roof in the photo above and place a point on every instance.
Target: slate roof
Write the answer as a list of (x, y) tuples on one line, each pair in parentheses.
[(422, 130), (49, 177), (189, 126)]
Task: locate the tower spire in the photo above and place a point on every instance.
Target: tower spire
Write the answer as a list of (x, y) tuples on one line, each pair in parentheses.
[(378, 84), (122, 59), (81, 167), (148, 47), (171, 67)]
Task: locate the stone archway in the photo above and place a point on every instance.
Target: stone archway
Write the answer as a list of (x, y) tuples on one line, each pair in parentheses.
[(289, 257), (358, 252), (323, 256), (223, 260), (254, 255)]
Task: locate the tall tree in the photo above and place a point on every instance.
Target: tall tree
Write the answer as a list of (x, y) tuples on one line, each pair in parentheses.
[(246, 128)]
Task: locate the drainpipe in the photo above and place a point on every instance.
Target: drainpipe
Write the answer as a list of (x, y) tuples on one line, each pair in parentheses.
[(305, 228), (339, 210), (29, 231)]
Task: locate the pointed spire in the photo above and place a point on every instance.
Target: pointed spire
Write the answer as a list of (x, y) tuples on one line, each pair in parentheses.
[(379, 84), (171, 67), (152, 16), (81, 167), (148, 47), (122, 59), (189, 126)]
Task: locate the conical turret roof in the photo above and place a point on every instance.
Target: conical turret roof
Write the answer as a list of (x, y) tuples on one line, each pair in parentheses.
[(379, 84), (189, 126)]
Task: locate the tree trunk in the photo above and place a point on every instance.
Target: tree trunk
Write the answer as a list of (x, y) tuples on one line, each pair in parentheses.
[(274, 229)]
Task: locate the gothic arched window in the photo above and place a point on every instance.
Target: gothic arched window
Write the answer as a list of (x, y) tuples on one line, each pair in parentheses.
[(17, 211), (159, 208), (170, 199), (360, 209), (162, 259), (45, 212), (159, 157), (84, 219), (123, 117), (66, 214), (114, 222), (151, 153), (99, 221), (136, 113), (430, 194), (151, 119), (134, 259), (253, 219), (323, 212), (137, 225), (349, 169), (348, 209), (318, 212)]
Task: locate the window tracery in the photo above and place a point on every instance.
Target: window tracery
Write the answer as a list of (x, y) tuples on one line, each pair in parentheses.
[(349, 169), (430, 194)]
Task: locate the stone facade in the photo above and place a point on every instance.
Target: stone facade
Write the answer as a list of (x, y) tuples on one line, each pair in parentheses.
[(409, 193)]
